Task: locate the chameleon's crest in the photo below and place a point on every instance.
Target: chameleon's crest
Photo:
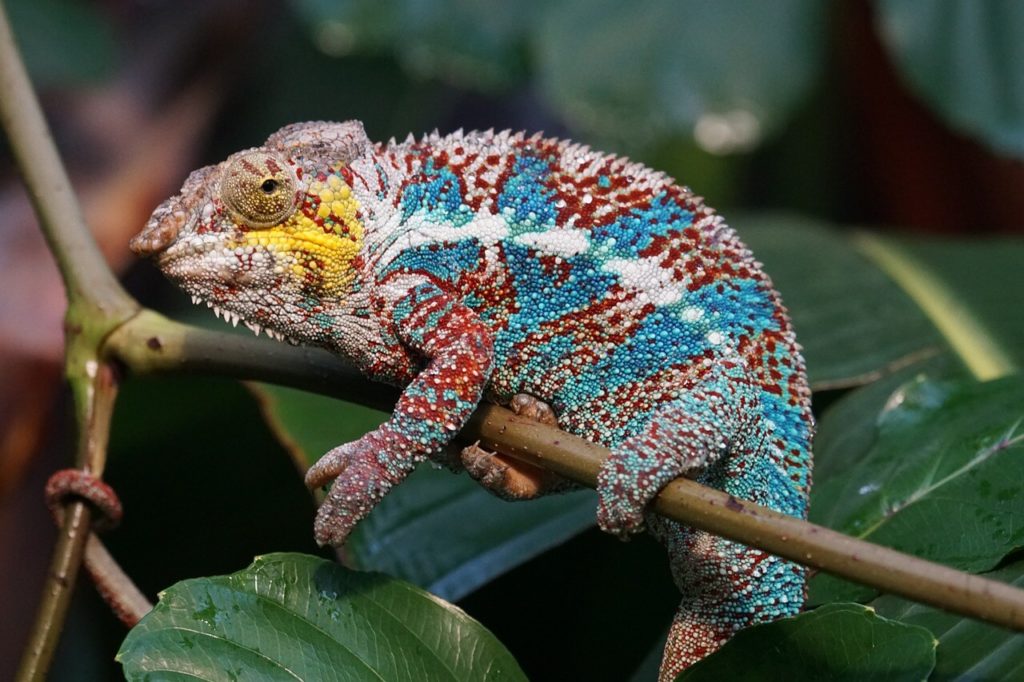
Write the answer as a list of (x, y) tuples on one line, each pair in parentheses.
[(260, 188)]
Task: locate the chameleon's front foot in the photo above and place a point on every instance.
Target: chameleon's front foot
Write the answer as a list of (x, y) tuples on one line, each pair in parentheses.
[(360, 482)]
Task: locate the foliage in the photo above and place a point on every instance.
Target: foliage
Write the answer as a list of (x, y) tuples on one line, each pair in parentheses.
[(292, 616), (835, 642), (975, 85)]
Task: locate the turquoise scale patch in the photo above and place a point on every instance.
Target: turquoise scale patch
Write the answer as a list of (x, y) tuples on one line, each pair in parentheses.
[(438, 196), (743, 306), (445, 263), (660, 340), (525, 200), (634, 232)]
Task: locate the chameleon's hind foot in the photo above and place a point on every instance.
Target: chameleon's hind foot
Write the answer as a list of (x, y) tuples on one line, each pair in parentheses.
[(508, 478), (682, 438)]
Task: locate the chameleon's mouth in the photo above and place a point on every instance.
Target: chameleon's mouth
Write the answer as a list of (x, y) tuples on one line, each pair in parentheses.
[(235, 318)]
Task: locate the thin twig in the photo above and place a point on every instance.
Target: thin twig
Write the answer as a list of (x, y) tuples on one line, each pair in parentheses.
[(94, 419)]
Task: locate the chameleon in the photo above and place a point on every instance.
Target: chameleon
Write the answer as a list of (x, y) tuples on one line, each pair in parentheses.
[(580, 287)]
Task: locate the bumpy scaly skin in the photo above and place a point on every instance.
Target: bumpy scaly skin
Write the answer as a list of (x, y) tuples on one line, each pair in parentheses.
[(502, 264)]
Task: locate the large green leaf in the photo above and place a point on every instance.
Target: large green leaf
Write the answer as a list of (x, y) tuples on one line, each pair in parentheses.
[(729, 73), (451, 536), (298, 617), (968, 649), (612, 68), (984, 278), (438, 530), (835, 642), (941, 481), (863, 305), (966, 60)]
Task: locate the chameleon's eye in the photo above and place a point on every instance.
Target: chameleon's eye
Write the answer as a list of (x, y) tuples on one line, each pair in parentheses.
[(260, 188)]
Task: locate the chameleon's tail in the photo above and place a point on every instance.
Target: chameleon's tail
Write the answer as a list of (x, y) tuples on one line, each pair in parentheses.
[(726, 586), (727, 434)]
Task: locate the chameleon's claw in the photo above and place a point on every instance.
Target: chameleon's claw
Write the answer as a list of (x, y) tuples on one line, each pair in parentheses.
[(360, 482), (508, 478), (526, 405), (327, 468), (620, 520)]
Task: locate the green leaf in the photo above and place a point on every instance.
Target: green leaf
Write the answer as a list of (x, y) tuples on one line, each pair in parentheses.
[(941, 481), (438, 530), (968, 648), (608, 67), (966, 60), (449, 535), (943, 300), (835, 642), (848, 429), (298, 617), (984, 276), (730, 73), (864, 306)]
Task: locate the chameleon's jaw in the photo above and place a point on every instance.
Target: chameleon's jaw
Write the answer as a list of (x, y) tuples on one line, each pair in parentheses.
[(222, 288), (210, 270)]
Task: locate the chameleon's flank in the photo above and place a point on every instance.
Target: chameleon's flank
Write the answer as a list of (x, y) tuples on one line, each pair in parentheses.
[(576, 286)]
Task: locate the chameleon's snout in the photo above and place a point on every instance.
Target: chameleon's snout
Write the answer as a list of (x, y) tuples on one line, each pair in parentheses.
[(160, 232)]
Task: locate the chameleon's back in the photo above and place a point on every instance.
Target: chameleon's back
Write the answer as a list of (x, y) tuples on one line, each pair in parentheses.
[(610, 288)]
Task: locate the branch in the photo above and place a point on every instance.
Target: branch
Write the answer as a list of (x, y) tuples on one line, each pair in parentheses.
[(149, 343), (94, 428), (722, 514), (152, 344), (85, 272)]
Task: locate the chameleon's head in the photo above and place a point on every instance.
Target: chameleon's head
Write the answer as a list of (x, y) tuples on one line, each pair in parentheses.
[(269, 236)]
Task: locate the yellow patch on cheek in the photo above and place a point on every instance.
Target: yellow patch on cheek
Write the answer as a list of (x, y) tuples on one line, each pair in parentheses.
[(337, 207), (317, 256)]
